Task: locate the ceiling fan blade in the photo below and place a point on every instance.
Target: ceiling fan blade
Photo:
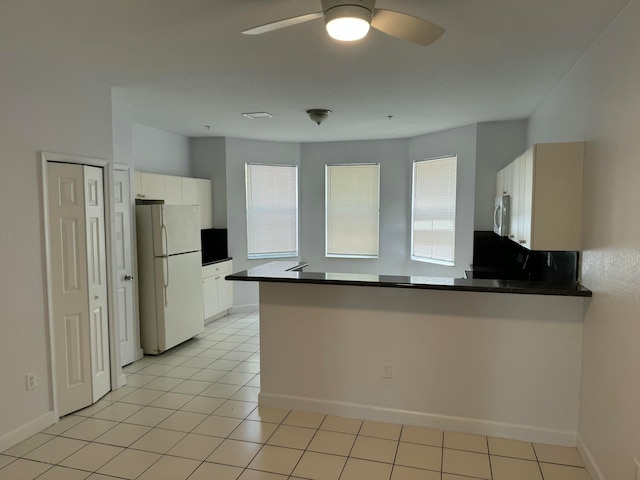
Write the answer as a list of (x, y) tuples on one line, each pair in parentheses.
[(406, 27), (287, 22)]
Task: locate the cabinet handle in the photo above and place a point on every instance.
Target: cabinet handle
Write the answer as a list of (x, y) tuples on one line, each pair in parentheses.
[(512, 236), (141, 196), (522, 241)]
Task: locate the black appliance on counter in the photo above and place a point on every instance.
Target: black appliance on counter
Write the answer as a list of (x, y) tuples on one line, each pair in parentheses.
[(498, 257), (214, 244)]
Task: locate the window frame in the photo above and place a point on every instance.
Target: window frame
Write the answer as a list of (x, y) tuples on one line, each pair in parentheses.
[(425, 259), (288, 254), (326, 212)]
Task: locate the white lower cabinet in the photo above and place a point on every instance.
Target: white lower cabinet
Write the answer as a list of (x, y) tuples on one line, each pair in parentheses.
[(217, 292)]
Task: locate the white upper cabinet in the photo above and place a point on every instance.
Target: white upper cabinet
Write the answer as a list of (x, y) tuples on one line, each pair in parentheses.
[(174, 190), (189, 190), (545, 186)]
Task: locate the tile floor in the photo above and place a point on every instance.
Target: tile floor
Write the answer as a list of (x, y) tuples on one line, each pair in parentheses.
[(192, 413)]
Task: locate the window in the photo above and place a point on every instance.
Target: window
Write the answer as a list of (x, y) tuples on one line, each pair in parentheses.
[(433, 212), (352, 204), (272, 210)]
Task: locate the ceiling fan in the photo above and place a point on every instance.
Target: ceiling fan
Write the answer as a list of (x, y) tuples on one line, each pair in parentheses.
[(349, 20)]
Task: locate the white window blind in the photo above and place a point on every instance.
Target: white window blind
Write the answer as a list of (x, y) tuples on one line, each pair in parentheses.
[(433, 219), (352, 204), (272, 210)]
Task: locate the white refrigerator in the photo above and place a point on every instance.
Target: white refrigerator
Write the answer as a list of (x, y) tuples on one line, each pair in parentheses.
[(169, 275)]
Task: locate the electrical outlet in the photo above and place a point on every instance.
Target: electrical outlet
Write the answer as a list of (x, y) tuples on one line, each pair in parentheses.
[(387, 370), (636, 469), (32, 380)]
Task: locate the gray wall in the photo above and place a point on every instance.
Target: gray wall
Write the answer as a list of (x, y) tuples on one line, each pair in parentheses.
[(599, 102), (462, 143), (208, 160), (159, 151), (394, 203), (498, 143), (239, 152)]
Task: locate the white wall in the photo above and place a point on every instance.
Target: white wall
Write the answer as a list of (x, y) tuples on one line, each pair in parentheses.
[(498, 144), (159, 151), (239, 152), (599, 102), (208, 160), (42, 109)]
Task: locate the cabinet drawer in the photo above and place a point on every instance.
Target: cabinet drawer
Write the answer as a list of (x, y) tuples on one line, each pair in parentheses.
[(222, 268)]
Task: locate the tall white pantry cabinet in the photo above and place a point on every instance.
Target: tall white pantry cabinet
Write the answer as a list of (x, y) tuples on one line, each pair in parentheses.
[(545, 186)]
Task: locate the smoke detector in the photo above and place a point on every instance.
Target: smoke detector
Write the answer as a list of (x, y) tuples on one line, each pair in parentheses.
[(318, 115)]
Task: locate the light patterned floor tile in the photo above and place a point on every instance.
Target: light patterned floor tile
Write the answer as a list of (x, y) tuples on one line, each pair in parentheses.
[(64, 424), (292, 437), (205, 405), (172, 400), (191, 387), (341, 424), (163, 384), (142, 396), (560, 455), (319, 466), (170, 468), (235, 453), (419, 456), (563, 472), (236, 378), (117, 411), (389, 431), (138, 380), (466, 441), (62, 473), (257, 475), (129, 464), (334, 443), (23, 469), (511, 448), (421, 435), (213, 471), (276, 460), (236, 409), (123, 434), (219, 390), (208, 375), (408, 473), (29, 444), (470, 464), (248, 393), (375, 449), (504, 468), (182, 421), (91, 457), (149, 416), (182, 372), (6, 460), (158, 440), (217, 426), (196, 447), (304, 419), (56, 450), (356, 469), (252, 431)]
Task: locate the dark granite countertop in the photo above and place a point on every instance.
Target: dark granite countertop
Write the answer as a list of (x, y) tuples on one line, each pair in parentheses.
[(218, 260), (291, 272)]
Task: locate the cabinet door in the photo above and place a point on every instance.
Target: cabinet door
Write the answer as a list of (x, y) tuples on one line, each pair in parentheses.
[(189, 191), (172, 190), (205, 200), (526, 198), (210, 296), (137, 188), (225, 293), (512, 173), (151, 186)]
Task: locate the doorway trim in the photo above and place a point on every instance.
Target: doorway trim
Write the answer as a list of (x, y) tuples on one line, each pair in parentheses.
[(118, 378)]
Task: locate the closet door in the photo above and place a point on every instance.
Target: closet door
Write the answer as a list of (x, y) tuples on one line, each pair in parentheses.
[(97, 281), (69, 292)]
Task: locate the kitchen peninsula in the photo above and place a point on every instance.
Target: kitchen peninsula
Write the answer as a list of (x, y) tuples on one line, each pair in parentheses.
[(500, 358)]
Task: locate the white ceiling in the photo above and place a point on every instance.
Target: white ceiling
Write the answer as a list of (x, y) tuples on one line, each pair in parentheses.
[(183, 64)]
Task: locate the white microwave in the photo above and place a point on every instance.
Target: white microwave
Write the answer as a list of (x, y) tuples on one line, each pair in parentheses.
[(501, 215)]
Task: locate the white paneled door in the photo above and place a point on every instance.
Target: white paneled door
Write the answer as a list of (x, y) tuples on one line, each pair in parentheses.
[(78, 284), (124, 273)]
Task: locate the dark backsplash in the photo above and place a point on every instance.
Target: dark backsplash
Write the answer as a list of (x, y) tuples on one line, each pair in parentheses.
[(214, 244), (499, 257)]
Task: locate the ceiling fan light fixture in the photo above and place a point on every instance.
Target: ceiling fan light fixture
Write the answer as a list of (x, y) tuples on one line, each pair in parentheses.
[(347, 23)]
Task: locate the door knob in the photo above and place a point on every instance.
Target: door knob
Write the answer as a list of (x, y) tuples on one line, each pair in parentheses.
[(128, 277)]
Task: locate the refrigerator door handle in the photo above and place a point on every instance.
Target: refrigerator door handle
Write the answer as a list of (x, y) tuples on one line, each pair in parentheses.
[(166, 281)]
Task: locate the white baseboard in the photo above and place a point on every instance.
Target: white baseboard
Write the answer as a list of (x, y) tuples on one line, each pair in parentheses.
[(443, 422), (592, 466), (23, 432), (251, 307)]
